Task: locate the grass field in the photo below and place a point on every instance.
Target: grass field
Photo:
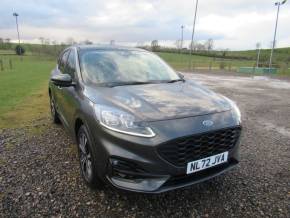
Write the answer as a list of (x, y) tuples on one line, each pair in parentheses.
[(182, 62), (23, 89), (280, 54)]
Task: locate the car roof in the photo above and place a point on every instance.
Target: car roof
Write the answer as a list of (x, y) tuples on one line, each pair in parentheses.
[(106, 47)]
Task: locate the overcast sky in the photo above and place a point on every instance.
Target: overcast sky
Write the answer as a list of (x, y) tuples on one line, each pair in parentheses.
[(233, 24)]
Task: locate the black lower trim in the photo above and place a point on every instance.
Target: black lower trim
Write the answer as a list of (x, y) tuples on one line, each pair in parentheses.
[(200, 176)]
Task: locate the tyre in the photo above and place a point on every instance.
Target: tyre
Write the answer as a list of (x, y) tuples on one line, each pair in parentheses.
[(87, 159), (54, 114)]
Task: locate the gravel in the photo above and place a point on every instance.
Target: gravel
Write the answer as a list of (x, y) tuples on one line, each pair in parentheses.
[(39, 174)]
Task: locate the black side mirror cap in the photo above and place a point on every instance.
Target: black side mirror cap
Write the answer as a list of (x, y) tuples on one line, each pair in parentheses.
[(62, 80)]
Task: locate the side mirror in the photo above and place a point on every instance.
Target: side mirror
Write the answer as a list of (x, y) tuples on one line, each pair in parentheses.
[(180, 75), (62, 80)]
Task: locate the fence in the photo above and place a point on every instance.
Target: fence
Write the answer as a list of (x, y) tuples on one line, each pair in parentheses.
[(197, 63), (6, 64)]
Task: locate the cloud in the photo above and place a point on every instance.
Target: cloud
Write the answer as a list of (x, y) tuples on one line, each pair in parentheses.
[(235, 24)]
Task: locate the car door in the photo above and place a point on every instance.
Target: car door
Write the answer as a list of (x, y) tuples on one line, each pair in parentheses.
[(57, 90), (69, 95)]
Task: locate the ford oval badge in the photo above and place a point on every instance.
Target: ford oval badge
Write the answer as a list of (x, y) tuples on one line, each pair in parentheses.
[(207, 123)]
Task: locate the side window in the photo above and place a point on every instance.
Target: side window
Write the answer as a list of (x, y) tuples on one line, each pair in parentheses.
[(71, 64), (62, 61)]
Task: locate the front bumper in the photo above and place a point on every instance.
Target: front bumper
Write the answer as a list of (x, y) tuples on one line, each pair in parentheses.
[(135, 164), (168, 183)]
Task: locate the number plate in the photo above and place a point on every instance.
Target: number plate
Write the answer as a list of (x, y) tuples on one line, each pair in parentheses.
[(207, 162)]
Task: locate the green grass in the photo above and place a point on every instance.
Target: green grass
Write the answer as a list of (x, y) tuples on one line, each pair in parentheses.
[(21, 85), (182, 61), (280, 54)]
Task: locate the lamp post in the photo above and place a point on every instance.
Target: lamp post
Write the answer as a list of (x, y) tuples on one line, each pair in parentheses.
[(16, 15), (181, 43), (193, 31), (258, 47), (275, 32)]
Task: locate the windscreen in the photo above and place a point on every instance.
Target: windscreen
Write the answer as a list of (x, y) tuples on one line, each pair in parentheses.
[(101, 67)]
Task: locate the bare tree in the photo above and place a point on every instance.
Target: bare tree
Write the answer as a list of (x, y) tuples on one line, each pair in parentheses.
[(200, 47), (140, 44), (41, 39), (178, 44), (54, 42), (47, 41), (209, 44), (7, 43), (192, 46), (87, 42), (70, 41), (154, 45)]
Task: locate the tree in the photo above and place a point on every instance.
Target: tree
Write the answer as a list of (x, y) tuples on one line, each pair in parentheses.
[(196, 46), (209, 44), (140, 44), (288, 60), (192, 45), (19, 50), (41, 39), (7, 43), (178, 44), (1, 43), (224, 52), (47, 41), (154, 45), (54, 42), (200, 47), (87, 42), (70, 41)]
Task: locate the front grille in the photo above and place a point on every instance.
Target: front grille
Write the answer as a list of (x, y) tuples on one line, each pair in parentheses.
[(183, 150)]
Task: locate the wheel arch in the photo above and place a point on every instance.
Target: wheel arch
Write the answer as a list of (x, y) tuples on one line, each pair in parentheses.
[(78, 123)]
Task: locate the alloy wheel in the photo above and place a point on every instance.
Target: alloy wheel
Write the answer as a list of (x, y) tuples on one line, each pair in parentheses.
[(52, 107), (85, 157)]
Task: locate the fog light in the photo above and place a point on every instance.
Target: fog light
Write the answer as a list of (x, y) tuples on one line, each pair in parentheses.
[(125, 169), (129, 175)]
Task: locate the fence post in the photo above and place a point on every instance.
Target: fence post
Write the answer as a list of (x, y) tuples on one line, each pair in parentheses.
[(230, 66), (210, 66), (10, 64), (1, 65)]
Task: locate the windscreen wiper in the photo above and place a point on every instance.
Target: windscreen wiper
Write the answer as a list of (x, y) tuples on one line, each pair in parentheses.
[(176, 80), (114, 84)]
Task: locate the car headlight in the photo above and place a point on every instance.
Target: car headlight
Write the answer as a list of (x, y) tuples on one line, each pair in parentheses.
[(235, 110), (121, 121)]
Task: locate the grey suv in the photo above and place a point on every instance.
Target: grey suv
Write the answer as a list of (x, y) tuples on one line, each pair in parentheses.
[(139, 125)]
